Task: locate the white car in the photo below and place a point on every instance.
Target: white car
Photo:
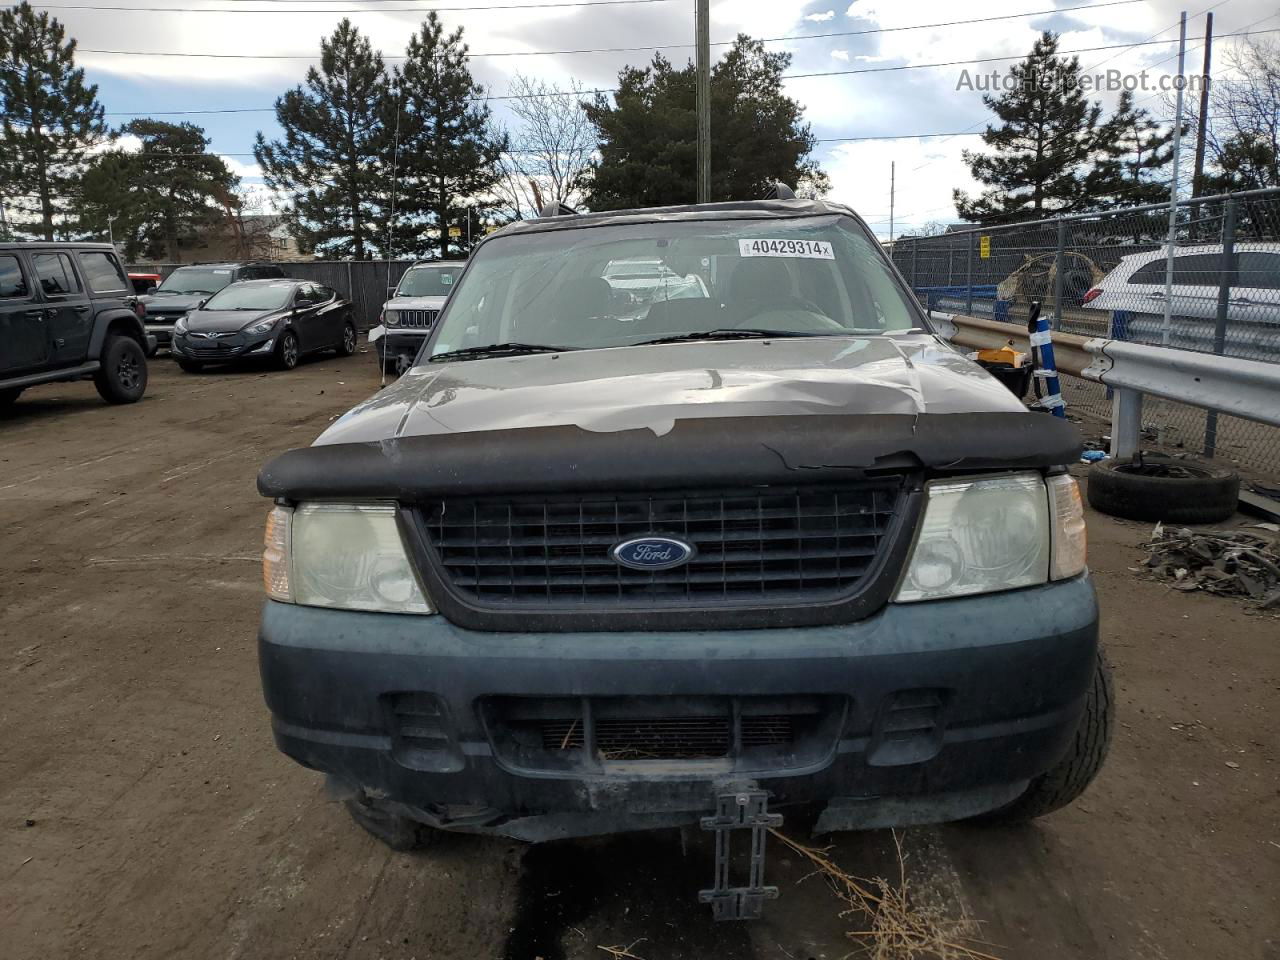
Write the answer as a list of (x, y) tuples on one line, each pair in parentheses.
[(408, 318), (1134, 294)]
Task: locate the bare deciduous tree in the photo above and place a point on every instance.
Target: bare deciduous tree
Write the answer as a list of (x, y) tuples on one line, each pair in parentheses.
[(551, 148)]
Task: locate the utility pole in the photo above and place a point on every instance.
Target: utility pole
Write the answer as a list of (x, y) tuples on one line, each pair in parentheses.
[(111, 236), (1197, 188), (1167, 326), (892, 176), (702, 38)]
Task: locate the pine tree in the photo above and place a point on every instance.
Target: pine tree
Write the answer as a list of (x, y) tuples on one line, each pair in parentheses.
[(333, 162), (648, 143), (1131, 151), (447, 162), (1039, 154), (48, 119), (166, 191)]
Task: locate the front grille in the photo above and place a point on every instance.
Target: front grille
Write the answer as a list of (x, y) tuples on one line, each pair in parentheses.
[(803, 543), (418, 319), (752, 732)]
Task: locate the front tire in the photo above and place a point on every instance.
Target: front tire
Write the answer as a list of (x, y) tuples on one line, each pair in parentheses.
[(396, 831), (9, 396), (1069, 777), (287, 350), (122, 378)]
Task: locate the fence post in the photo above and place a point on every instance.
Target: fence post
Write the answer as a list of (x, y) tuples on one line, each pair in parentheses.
[(1059, 271), (351, 286), (914, 245), (1226, 277), (968, 277), (1126, 423)]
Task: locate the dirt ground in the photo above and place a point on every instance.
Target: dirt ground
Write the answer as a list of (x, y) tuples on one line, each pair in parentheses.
[(147, 814)]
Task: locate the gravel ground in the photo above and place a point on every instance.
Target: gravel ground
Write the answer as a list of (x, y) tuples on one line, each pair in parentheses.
[(146, 813)]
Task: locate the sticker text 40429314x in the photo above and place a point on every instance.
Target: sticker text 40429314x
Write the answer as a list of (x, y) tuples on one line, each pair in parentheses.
[(811, 249)]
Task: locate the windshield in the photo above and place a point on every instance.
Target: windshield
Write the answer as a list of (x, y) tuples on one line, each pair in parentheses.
[(251, 296), (428, 281), (186, 280), (623, 285)]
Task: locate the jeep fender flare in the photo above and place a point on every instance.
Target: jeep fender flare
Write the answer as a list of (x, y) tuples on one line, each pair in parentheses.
[(116, 316)]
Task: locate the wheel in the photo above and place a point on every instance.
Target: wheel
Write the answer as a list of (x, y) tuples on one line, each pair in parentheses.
[(1156, 487), (152, 351), (396, 831), (287, 350), (122, 378), (348, 345), (9, 396), (191, 366), (1065, 781)]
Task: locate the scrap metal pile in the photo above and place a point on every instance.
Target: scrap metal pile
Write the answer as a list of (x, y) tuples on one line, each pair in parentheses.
[(1240, 563)]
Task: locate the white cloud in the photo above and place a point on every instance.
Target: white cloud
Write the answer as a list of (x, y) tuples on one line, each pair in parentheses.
[(841, 55), (821, 17), (927, 170)]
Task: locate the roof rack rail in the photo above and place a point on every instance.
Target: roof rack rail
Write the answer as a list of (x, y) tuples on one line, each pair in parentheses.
[(557, 209), (779, 191)]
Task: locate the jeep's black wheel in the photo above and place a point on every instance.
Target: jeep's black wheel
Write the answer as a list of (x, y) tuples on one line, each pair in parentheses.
[(191, 366), (1164, 488), (348, 345), (396, 831), (287, 350), (122, 378), (9, 396), (1064, 782)]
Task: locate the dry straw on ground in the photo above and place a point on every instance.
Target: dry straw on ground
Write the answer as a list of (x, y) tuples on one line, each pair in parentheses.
[(895, 926)]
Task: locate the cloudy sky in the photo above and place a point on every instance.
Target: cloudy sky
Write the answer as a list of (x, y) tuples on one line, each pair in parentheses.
[(276, 39)]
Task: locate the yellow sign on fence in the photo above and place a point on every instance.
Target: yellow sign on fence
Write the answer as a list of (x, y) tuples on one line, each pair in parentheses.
[(984, 247)]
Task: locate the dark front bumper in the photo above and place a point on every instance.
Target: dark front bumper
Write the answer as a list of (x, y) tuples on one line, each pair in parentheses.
[(162, 330), (222, 349), (1004, 678)]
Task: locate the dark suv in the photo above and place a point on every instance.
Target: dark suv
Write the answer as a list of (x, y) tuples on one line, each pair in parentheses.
[(603, 562), (67, 312), (188, 287)]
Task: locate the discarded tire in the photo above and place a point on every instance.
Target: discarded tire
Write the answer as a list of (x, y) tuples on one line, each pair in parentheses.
[(1164, 488), (1064, 782)]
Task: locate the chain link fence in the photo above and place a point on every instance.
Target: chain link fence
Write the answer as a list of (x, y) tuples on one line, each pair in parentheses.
[(1113, 274), (364, 282)]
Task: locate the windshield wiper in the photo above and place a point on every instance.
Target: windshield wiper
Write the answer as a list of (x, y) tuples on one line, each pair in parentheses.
[(727, 333), (497, 350)]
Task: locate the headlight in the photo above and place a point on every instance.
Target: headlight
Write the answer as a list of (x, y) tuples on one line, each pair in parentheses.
[(391, 318), (262, 326), (978, 536), (348, 556), (181, 325)]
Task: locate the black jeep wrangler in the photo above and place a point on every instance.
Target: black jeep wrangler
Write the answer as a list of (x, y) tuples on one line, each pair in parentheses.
[(67, 312)]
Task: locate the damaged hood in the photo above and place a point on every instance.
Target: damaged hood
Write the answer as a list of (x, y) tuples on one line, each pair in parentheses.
[(652, 387)]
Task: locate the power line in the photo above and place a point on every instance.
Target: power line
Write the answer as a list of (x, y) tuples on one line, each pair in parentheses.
[(409, 9), (640, 49), (1021, 56)]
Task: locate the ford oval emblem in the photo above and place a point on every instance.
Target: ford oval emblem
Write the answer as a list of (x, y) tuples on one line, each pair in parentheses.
[(652, 553)]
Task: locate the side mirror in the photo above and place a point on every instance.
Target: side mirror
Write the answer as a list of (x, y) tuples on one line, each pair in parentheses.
[(391, 290), (200, 305), (152, 289)]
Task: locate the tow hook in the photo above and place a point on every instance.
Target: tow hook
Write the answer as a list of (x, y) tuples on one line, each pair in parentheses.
[(742, 809)]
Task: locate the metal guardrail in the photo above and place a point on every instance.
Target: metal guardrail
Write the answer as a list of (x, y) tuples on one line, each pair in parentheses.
[(1249, 389)]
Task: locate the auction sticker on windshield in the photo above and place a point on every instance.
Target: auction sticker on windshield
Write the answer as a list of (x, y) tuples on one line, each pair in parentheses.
[(812, 249)]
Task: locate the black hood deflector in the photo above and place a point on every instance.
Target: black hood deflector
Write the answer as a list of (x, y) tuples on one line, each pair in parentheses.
[(737, 451)]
